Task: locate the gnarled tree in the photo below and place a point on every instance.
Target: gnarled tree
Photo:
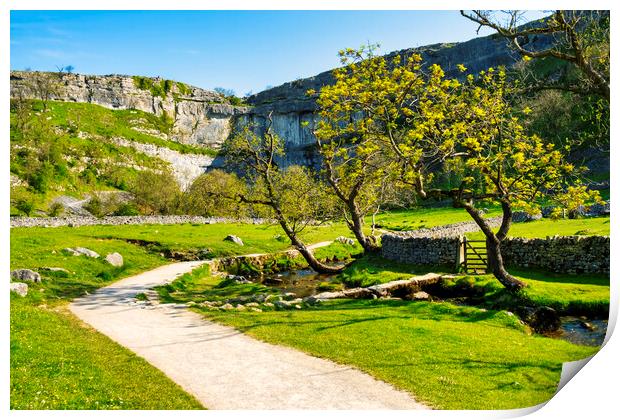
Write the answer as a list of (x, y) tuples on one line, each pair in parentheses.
[(293, 196), (501, 163), (433, 124), (578, 37)]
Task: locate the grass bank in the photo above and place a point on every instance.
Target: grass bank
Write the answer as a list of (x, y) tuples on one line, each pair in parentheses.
[(449, 356), (57, 362)]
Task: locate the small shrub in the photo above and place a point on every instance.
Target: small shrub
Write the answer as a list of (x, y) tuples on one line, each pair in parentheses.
[(95, 207), (55, 209), (25, 205), (141, 296), (127, 209)]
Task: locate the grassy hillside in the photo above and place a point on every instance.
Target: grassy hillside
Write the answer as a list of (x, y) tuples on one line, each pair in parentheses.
[(69, 148)]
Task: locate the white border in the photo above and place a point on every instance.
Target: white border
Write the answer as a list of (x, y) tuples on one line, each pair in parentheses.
[(590, 395)]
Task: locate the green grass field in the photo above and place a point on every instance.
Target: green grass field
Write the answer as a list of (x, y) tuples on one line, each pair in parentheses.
[(431, 349), (452, 357), (59, 363), (401, 220), (567, 294), (62, 364), (56, 361), (563, 227), (448, 356)]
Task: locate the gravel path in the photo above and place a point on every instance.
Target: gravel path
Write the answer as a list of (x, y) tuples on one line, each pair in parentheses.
[(220, 366)]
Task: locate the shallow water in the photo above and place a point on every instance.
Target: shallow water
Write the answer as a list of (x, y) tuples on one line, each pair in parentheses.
[(581, 330), (301, 282)]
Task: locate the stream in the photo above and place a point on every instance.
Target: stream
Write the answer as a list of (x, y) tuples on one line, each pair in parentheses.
[(581, 330), (301, 282), (576, 330)]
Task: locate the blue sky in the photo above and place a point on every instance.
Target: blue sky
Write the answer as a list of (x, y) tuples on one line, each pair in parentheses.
[(241, 50)]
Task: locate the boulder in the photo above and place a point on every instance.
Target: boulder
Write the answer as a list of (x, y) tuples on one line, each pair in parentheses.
[(522, 216), (272, 281), (420, 296), (115, 259), (542, 319), (235, 239), (284, 304), (81, 251), (19, 288), (26, 275), (237, 279)]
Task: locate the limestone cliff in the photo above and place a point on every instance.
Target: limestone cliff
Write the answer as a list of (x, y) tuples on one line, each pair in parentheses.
[(198, 116), (290, 107), (202, 117)]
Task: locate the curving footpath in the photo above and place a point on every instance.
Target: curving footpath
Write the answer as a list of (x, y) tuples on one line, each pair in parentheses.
[(221, 367)]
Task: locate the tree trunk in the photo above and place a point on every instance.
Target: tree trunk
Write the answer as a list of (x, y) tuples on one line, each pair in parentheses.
[(496, 266), (315, 264), (369, 243), (495, 261)]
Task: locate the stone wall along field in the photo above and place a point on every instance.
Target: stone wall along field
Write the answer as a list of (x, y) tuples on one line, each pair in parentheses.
[(75, 221), (560, 254), (421, 250)]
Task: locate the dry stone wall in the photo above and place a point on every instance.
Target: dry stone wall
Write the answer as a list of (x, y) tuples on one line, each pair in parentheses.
[(421, 250), (75, 221), (559, 254), (443, 246)]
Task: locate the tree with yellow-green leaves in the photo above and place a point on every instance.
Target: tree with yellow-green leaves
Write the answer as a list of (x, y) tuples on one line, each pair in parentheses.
[(430, 124), (355, 165), (502, 163)]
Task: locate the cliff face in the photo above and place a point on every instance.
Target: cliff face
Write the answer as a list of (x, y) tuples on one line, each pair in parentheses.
[(203, 117), (290, 106), (199, 116)]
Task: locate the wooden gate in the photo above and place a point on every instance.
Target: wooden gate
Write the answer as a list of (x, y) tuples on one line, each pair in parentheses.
[(475, 256)]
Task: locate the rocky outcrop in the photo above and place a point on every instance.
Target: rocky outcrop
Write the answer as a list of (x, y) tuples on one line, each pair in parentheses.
[(291, 107), (186, 167), (199, 116)]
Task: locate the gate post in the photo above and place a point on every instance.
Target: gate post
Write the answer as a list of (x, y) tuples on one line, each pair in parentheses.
[(461, 254)]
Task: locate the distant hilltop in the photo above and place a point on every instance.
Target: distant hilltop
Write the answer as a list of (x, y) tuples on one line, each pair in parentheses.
[(205, 118)]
